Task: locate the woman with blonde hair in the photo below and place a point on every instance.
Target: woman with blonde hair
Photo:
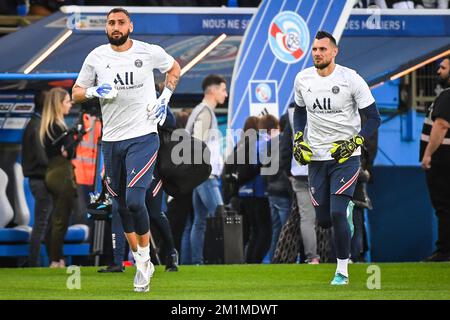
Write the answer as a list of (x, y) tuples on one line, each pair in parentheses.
[(60, 147)]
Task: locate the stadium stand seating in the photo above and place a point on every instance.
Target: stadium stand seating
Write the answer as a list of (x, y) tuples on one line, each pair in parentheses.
[(14, 240)]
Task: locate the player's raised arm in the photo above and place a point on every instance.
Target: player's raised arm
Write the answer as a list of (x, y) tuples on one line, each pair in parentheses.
[(373, 120), (104, 91), (78, 94), (85, 86), (342, 150), (173, 76), (158, 112), (301, 150), (367, 107)]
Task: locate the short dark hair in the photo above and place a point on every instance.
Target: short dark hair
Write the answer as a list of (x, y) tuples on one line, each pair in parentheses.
[(116, 10), (323, 34), (212, 79), (251, 123), (268, 122)]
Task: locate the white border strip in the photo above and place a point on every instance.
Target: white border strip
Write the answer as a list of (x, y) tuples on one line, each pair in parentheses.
[(237, 61), (426, 138), (232, 10), (401, 12), (345, 15), (173, 10)]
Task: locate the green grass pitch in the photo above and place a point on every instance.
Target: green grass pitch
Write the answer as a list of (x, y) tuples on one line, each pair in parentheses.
[(242, 282)]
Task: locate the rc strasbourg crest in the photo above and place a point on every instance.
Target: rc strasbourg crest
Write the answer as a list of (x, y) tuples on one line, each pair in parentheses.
[(289, 37), (263, 93)]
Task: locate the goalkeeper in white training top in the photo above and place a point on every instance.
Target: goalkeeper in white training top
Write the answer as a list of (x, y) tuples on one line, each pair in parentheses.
[(121, 75), (328, 137)]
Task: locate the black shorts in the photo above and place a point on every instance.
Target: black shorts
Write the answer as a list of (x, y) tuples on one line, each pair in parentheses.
[(130, 163), (330, 177)]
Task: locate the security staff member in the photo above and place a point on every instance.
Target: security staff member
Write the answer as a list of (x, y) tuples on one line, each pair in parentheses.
[(435, 157)]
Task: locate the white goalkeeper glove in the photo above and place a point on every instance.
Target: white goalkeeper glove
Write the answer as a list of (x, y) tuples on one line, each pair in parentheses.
[(158, 112), (104, 91)]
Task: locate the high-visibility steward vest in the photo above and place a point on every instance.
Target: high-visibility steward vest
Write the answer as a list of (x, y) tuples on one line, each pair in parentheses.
[(86, 152)]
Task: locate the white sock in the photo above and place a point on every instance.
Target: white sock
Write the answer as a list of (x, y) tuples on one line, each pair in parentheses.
[(342, 267), (136, 257), (144, 252)]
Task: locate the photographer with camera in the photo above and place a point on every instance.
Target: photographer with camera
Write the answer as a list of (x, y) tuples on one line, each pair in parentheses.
[(60, 143)]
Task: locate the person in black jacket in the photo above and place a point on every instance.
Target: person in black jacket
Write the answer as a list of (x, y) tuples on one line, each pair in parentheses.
[(279, 188), (60, 145), (435, 159), (34, 165), (237, 172), (253, 194), (179, 208)]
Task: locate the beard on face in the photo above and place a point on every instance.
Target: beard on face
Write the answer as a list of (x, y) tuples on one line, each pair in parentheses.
[(444, 81), (118, 41), (322, 65)]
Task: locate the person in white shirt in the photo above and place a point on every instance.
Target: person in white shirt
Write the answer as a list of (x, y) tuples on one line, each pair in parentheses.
[(120, 74), (328, 134), (206, 197)]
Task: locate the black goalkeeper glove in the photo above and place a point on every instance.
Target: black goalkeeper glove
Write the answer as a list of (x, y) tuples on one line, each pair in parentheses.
[(302, 151), (343, 149)]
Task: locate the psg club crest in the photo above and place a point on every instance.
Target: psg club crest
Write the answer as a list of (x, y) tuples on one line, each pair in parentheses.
[(288, 37), (335, 89)]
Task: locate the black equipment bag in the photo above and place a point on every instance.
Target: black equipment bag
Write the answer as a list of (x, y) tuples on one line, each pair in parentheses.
[(223, 239), (182, 178)]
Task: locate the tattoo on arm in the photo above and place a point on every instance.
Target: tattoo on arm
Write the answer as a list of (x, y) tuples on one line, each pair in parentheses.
[(172, 81), (173, 76)]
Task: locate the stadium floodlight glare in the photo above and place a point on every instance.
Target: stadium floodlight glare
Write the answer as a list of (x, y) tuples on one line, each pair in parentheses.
[(47, 52), (377, 85), (68, 33), (202, 54), (417, 66)]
